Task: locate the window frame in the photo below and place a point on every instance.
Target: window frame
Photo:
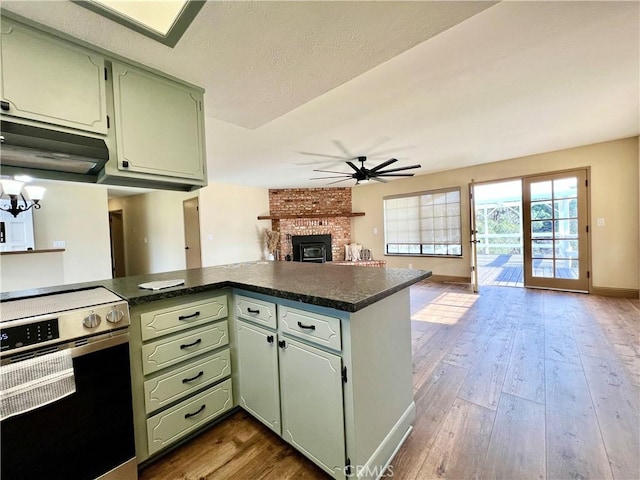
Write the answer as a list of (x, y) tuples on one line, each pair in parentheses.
[(422, 243)]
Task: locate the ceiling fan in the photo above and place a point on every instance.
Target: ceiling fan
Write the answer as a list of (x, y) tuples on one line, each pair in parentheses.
[(364, 175)]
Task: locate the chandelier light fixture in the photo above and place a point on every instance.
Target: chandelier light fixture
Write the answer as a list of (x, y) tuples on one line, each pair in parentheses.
[(21, 197)]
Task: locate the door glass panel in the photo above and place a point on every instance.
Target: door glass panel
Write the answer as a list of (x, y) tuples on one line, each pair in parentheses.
[(567, 208), (541, 229), (566, 248), (541, 210), (541, 190), (565, 187), (542, 249), (542, 268), (566, 268), (566, 228)]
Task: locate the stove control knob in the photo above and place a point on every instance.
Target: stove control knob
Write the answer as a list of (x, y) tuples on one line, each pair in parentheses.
[(91, 321), (115, 315)]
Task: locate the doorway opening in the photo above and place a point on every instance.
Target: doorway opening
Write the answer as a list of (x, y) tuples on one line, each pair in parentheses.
[(499, 225), (193, 254), (116, 233)]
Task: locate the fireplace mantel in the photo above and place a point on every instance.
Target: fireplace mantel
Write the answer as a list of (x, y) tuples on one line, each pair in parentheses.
[(311, 215)]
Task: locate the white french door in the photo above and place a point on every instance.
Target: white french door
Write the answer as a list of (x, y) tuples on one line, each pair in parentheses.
[(556, 231), (474, 237)]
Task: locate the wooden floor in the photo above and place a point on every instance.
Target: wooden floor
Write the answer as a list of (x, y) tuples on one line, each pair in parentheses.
[(509, 384)]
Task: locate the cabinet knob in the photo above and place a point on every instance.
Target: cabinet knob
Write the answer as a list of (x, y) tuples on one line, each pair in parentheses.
[(270, 339), (4, 105), (282, 344)]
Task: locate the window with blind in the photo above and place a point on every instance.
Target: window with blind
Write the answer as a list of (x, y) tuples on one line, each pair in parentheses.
[(425, 223)]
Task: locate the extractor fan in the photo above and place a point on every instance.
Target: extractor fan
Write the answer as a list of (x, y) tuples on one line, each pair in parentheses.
[(363, 175)]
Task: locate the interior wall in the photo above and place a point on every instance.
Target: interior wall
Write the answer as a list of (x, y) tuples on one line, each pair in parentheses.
[(153, 231), (614, 196), (75, 214), (229, 229)]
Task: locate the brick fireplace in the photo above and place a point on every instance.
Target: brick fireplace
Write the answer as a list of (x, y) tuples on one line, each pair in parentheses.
[(293, 211)]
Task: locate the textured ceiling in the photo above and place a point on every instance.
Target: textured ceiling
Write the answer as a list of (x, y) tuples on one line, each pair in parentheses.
[(444, 84)]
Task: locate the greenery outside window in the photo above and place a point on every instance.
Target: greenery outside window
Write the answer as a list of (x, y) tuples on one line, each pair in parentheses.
[(424, 223)]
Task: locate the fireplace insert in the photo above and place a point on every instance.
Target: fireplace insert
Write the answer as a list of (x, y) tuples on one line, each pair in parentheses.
[(311, 248)]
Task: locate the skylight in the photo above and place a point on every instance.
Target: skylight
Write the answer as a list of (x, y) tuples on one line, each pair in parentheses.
[(162, 20)]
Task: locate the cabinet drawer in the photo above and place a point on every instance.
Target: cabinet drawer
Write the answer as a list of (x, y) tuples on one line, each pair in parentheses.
[(167, 427), (312, 327), (259, 311), (170, 387), (168, 320), (169, 351)]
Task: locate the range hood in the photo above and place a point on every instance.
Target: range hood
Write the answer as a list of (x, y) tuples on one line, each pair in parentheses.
[(46, 150)]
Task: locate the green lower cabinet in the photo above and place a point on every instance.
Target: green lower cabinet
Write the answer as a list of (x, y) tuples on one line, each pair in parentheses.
[(312, 406), (258, 370)]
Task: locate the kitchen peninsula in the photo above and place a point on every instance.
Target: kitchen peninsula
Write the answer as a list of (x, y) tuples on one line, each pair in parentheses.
[(319, 353)]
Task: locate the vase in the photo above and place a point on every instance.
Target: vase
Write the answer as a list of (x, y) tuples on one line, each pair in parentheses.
[(271, 257)]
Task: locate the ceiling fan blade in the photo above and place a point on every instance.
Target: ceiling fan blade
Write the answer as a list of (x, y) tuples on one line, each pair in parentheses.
[(312, 154), (324, 178), (381, 180), (399, 169), (353, 166), (343, 149), (338, 181), (393, 175), (383, 164), (331, 171)]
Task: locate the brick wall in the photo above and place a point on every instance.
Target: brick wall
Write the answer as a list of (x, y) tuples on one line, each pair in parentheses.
[(309, 201)]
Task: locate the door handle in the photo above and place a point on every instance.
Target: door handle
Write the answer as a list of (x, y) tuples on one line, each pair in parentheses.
[(186, 248), (187, 345)]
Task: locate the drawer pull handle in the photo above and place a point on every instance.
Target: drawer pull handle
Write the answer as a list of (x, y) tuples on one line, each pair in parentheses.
[(251, 310), (187, 345), (308, 327), (185, 380), (187, 317), (189, 415)]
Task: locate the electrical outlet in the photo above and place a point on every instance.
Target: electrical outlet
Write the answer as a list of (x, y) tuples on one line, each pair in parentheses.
[(210, 236), (375, 231), (59, 244), (411, 265), (600, 222)]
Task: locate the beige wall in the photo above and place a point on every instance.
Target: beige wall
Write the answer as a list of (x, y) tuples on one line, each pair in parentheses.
[(76, 214), (229, 228), (614, 197), (153, 231), (154, 227)]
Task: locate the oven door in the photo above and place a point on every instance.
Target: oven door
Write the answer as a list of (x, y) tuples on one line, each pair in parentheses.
[(84, 435)]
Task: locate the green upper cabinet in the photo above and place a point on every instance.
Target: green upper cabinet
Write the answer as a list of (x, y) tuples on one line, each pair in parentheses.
[(159, 124), (49, 80)]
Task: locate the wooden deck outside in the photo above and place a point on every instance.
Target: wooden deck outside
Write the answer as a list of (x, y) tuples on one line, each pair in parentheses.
[(500, 270), (508, 270)]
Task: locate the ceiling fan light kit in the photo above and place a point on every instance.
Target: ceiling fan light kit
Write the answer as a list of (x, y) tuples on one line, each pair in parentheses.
[(363, 175)]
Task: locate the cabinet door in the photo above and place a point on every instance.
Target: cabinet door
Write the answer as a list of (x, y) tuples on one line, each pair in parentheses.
[(52, 81), (258, 369), (312, 405), (159, 124)]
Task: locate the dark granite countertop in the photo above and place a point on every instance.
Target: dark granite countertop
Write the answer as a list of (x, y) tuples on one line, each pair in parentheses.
[(343, 287)]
